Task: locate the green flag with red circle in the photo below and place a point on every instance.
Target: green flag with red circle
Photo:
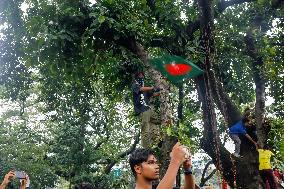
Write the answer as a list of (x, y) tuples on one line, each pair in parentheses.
[(175, 68)]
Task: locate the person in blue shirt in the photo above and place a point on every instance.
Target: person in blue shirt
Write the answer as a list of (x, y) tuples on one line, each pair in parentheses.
[(240, 129)]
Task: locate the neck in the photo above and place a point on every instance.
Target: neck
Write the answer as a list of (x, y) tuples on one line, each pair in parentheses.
[(142, 183)]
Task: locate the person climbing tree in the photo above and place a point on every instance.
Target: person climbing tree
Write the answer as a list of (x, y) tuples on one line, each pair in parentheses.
[(141, 99), (240, 128), (265, 169)]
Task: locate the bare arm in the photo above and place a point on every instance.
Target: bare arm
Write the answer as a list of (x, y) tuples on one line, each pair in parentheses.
[(189, 182), (189, 178), (156, 94), (177, 157), (146, 89), (7, 179), (248, 137), (169, 179)]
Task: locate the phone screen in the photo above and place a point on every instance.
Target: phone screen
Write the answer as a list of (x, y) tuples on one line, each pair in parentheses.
[(20, 174)]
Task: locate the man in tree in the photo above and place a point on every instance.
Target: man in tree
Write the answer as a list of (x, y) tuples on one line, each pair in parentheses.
[(145, 168), (141, 98), (240, 128)]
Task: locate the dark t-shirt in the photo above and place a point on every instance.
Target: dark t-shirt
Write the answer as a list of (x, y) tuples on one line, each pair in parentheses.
[(140, 99)]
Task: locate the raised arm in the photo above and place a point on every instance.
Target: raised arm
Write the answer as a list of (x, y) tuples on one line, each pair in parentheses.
[(146, 89), (248, 137), (188, 176), (177, 157), (7, 179)]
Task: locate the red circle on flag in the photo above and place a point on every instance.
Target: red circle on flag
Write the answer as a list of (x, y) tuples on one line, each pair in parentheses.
[(178, 69)]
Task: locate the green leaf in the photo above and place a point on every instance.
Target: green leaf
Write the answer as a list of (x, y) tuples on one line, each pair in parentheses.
[(102, 19)]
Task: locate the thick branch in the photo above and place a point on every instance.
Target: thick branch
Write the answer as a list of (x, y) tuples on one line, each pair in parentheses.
[(228, 109), (203, 178), (122, 154), (259, 79), (193, 26)]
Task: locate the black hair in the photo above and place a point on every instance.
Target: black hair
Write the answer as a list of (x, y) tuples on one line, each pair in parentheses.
[(266, 146), (137, 157), (138, 73)]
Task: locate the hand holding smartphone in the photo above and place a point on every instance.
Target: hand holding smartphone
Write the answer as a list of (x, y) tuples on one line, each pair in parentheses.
[(20, 174)]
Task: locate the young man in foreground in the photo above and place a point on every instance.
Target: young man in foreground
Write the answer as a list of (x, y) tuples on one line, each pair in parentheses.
[(145, 168)]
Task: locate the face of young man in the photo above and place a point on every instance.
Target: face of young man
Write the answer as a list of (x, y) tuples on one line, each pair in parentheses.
[(148, 170)]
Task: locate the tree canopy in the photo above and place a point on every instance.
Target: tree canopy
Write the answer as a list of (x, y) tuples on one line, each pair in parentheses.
[(68, 66)]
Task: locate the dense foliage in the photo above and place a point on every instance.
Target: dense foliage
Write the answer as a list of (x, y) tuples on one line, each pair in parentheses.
[(66, 66)]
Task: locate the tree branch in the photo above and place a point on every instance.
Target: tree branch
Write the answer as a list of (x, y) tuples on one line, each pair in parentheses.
[(193, 26), (259, 80), (228, 109), (122, 154), (203, 179)]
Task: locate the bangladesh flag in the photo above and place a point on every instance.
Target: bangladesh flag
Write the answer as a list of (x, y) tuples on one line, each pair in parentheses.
[(175, 68)]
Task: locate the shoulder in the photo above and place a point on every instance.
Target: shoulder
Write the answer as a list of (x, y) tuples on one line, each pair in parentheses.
[(134, 83)]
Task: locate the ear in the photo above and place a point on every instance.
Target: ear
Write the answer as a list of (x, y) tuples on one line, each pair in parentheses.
[(138, 169)]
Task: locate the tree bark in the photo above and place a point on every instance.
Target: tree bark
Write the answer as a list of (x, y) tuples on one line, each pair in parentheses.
[(259, 80), (238, 172), (204, 179), (165, 109)]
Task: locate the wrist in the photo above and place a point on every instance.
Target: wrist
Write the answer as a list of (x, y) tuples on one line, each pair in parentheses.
[(175, 162), (187, 171), (4, 184), (187, 166)]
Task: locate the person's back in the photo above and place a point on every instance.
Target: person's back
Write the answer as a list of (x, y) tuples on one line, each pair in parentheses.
[(265, 169), (264, 159)]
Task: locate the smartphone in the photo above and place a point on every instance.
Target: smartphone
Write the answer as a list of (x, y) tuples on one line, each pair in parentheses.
[(20, 174)]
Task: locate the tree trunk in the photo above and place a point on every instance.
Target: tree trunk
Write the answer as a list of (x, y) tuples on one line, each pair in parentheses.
[(238, 172), (259, 80), (165, 109)]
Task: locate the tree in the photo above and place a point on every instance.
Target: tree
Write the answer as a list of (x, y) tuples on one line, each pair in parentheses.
[(76, 43)]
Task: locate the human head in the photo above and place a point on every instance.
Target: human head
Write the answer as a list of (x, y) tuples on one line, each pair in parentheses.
[(139, 75), (247, 122), (266, 147), (143, 164)]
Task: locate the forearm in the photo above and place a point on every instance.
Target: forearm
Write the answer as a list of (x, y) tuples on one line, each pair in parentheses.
[(3, 185), (189, 182), (248, 137), (156, 94), (145, 89), (168, 181)]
